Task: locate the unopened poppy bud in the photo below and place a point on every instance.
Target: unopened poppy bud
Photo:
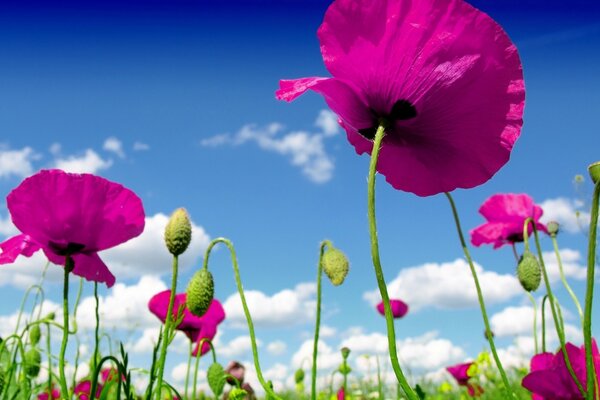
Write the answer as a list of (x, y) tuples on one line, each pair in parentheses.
[(51, 316), (216, 379), (32, 362), (178, 233), (529, 272), (552, 227), (237, 394), (345, 352), (344, 369), (594, 170), (200, 292), (299, 375), (335, 265), (34, 334)]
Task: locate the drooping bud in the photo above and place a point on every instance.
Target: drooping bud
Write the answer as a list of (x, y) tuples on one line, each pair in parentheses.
[(216, 379), (594, 170), (35, 334), (200, 292), (335, 265), (345, 352), (237, 394), (529, 272), (553, 228), (299, 375), (32, 362), (51, 316), (178, 233)]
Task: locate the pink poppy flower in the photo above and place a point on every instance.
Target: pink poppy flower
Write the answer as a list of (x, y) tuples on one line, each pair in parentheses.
[(550, 379), (506, 214), (460, 373), (442, 76), (195, 328), (236, 370), (399, 308), (82, 390), (75, 214), (341, 394), (54, 394)]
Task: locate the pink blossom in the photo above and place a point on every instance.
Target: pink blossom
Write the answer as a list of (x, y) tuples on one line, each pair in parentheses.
[(442, 76), (82, 390), (399, 308), (506, 215), (54, 394), (460, 373), (195, 328), (341, 394), (72, 214)]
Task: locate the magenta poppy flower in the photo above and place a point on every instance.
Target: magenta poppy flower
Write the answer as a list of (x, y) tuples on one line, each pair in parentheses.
[(341, 394), (54, 394), (72, 214), (82, 390), (236, 370), (399, 308), (442, 76), (550, 379), (460, 373), (506, 214), (195, 328)]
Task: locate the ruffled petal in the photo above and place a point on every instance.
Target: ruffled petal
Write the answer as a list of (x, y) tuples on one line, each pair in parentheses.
[(208, 331), (16, 246), (92, 268), (547, 384), (488, 233)]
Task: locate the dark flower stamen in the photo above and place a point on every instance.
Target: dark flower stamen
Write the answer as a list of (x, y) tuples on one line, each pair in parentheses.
[(402, 110), (69, 249)]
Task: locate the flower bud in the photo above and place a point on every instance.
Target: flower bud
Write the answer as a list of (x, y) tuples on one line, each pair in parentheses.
[(178, 233), (216, 379), (237, 394), (200, 292), (344, 369), (345, 352), (552, 227), (32, 362), (51, 316), (335, 265), (529, 272), (594, 170), (299, 375), (35, 334)]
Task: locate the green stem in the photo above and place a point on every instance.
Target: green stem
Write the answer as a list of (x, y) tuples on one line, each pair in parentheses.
[(564, 280), (212, 349), (240, 288), (486, 322), (589, 295), (97, 330), (379, 384), (196, 364), (544, 323), (168, 330), (557, 325), (534, 304), (61, 359), (49, 355), (187, 373), (313, 382), (377, 265)]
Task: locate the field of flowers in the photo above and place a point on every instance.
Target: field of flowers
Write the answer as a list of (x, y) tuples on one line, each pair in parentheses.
[(433, 92)]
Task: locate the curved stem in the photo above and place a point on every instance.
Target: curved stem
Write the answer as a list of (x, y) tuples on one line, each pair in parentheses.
[(391, 334), (97, 330), (534, 304), (557, 325), (313, 381), (22, 307), (187, 373), (564, 280), (198, 355), (544, 323), (589, 295), (240, 288), (486, 322), (49, 355), (195, 375), (168, 328), (63, 347)]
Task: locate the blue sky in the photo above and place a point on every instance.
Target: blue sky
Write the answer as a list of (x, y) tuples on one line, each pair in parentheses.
[(176, 101)]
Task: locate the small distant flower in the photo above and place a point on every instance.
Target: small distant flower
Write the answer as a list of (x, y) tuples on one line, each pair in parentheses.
[(82, 390), (399, 308), (341, 394), (237, 370), (442, 76), (54, 394), (195, 328), (550, 379), (460, 373), (72, 214), (506, 214), (110, 374)]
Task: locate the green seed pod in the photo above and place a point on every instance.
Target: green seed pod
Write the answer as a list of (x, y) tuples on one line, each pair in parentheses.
[(32, 362), (594, 170), (178, 233), (35, 334), (552, 227), (529, 272), (216, 379), (237, 394), (344, 369), (336, 265), (299, 375), (200, 292)]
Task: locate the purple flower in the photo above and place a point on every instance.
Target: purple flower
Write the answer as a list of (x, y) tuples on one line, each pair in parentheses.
[(460, 373), (195, 328), (54, 394), (399, 308), (72, 214), (442, 76), (506, 214), (550, 379)]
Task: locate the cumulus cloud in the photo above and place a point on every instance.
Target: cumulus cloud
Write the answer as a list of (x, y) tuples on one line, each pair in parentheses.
[(305, 150), (238, 348), (27, 271), (327, 357), (114, 145), (140, 146), (449, 286), (7, 228), (90, 162), (16, 162), (570, 263), (277, 348), (282, 309), (8, 323), (567, 213)]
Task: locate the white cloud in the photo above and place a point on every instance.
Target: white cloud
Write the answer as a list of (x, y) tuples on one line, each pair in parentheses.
[(327, 357), (9, 322), (16, 162), (55, 149), (238, 348), (114, 145), (140, 146), (7, 228), (326, 331), (90, 162), (282, 309), (570, 263), (27, 271), (447, 286), (277, 348), (306, 150), (567, 213)]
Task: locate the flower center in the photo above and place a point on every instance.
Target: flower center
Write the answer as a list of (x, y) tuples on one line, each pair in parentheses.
[(68, 249), (402, 110)]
